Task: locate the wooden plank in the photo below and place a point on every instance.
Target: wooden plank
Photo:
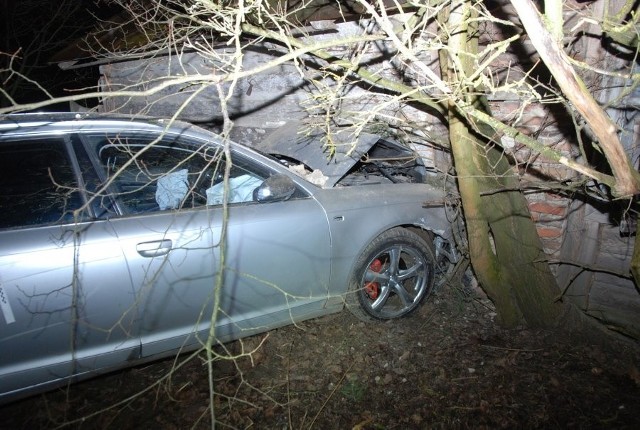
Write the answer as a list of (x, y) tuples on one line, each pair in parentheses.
[(580, 245)]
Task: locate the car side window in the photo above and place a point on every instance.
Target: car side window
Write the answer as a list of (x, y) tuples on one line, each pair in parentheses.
[(146, 175), (38, 185)]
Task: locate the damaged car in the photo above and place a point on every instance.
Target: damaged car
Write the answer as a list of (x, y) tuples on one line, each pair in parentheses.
[(124, 240)]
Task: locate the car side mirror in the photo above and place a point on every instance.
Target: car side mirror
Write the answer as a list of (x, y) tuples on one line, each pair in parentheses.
[(275, 188)]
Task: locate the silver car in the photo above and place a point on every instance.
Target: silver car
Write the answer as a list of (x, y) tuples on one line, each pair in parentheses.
[(119, 238)]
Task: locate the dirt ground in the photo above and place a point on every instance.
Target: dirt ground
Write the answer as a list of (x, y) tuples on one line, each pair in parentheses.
[(448, 365)]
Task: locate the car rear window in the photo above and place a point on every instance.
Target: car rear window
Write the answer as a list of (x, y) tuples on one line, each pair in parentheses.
[(37, 183)]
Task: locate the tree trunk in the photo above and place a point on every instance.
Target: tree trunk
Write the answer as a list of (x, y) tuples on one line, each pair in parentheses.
[(506, 252)]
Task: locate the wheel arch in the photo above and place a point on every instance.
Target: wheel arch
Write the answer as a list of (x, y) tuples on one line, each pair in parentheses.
[(427, 234)]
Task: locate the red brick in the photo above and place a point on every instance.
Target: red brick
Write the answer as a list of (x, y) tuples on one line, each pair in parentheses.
[(546, 208), (549, 232)]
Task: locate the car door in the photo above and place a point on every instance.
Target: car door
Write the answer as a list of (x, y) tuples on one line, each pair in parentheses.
[(274, 260), (60, 315)]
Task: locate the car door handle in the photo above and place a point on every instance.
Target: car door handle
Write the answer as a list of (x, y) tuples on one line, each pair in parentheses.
[(154, 248)]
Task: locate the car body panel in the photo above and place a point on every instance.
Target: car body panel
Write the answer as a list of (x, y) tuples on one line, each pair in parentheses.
[(56, 311), (177, 289), (333, 161), (356, 212)]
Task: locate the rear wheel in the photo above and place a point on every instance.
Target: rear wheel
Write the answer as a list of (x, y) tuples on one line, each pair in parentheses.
[(392, 276)]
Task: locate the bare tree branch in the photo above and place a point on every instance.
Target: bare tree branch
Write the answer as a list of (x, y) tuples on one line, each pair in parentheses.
[(627, 179)]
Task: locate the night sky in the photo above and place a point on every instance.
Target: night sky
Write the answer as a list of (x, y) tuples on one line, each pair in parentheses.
[(33, 32)]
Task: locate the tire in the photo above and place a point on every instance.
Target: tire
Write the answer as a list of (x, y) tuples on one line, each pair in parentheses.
[(390, 278)]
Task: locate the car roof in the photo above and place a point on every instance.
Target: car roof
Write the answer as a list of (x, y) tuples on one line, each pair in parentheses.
[(66, 122), (15, 120)]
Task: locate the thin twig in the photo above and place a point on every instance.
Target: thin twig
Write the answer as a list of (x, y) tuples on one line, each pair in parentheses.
[(330, 395), (512, 349)]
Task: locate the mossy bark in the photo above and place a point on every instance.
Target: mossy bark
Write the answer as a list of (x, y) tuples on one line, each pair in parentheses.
[(505, 249)]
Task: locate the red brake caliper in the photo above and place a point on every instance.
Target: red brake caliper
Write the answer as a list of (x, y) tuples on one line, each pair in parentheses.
[(373, 288)]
